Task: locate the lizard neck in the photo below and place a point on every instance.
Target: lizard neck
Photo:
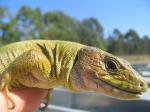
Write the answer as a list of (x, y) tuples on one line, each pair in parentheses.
[(62, 62)]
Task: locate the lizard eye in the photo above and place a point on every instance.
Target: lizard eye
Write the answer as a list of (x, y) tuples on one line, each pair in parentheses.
[(111, 65)]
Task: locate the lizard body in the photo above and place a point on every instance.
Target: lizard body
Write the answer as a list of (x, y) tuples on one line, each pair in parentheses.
[(51, 63), (57, 56)]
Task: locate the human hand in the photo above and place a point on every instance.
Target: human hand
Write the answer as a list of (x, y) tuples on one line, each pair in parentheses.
[(26, 100)]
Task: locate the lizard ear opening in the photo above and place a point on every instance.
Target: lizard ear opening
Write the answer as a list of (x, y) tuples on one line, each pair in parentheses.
[(75, 60)]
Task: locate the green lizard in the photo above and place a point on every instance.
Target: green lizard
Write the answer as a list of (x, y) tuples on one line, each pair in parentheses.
[(51, 63)]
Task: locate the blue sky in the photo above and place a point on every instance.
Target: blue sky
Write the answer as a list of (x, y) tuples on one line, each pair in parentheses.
[(121, 14)]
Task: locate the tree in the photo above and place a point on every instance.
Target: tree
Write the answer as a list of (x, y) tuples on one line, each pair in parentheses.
[(59, 26), (3, 12), (145, 44), (26, 22), (116, 42), (10, 32), (8, 29), (91, 33), (133, 42)]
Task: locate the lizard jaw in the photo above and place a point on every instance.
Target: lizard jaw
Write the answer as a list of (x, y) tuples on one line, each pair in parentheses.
[(115, 92), (97, 85), (84, 80)]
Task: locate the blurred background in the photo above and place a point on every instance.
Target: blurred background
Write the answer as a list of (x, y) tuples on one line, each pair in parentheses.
[(116, 26)]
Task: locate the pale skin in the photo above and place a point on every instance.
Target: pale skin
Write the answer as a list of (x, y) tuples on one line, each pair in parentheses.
[(26, 100)]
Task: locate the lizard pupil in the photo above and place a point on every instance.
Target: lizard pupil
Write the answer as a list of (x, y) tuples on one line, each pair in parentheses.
[(111, 66)]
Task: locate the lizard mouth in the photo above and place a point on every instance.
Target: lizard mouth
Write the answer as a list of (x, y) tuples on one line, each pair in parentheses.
[(117, 92), (132, 92)]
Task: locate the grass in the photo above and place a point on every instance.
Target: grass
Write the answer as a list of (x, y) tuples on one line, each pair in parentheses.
[(137, 59)]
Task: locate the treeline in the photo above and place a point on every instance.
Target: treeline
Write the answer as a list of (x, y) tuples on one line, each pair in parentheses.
[(128, 43), (30, 23)]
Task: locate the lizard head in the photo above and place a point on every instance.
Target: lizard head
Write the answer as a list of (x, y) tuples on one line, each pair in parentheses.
[(98, 71)]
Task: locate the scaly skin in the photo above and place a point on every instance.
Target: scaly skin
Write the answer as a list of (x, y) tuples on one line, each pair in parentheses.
[(48, 64)]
